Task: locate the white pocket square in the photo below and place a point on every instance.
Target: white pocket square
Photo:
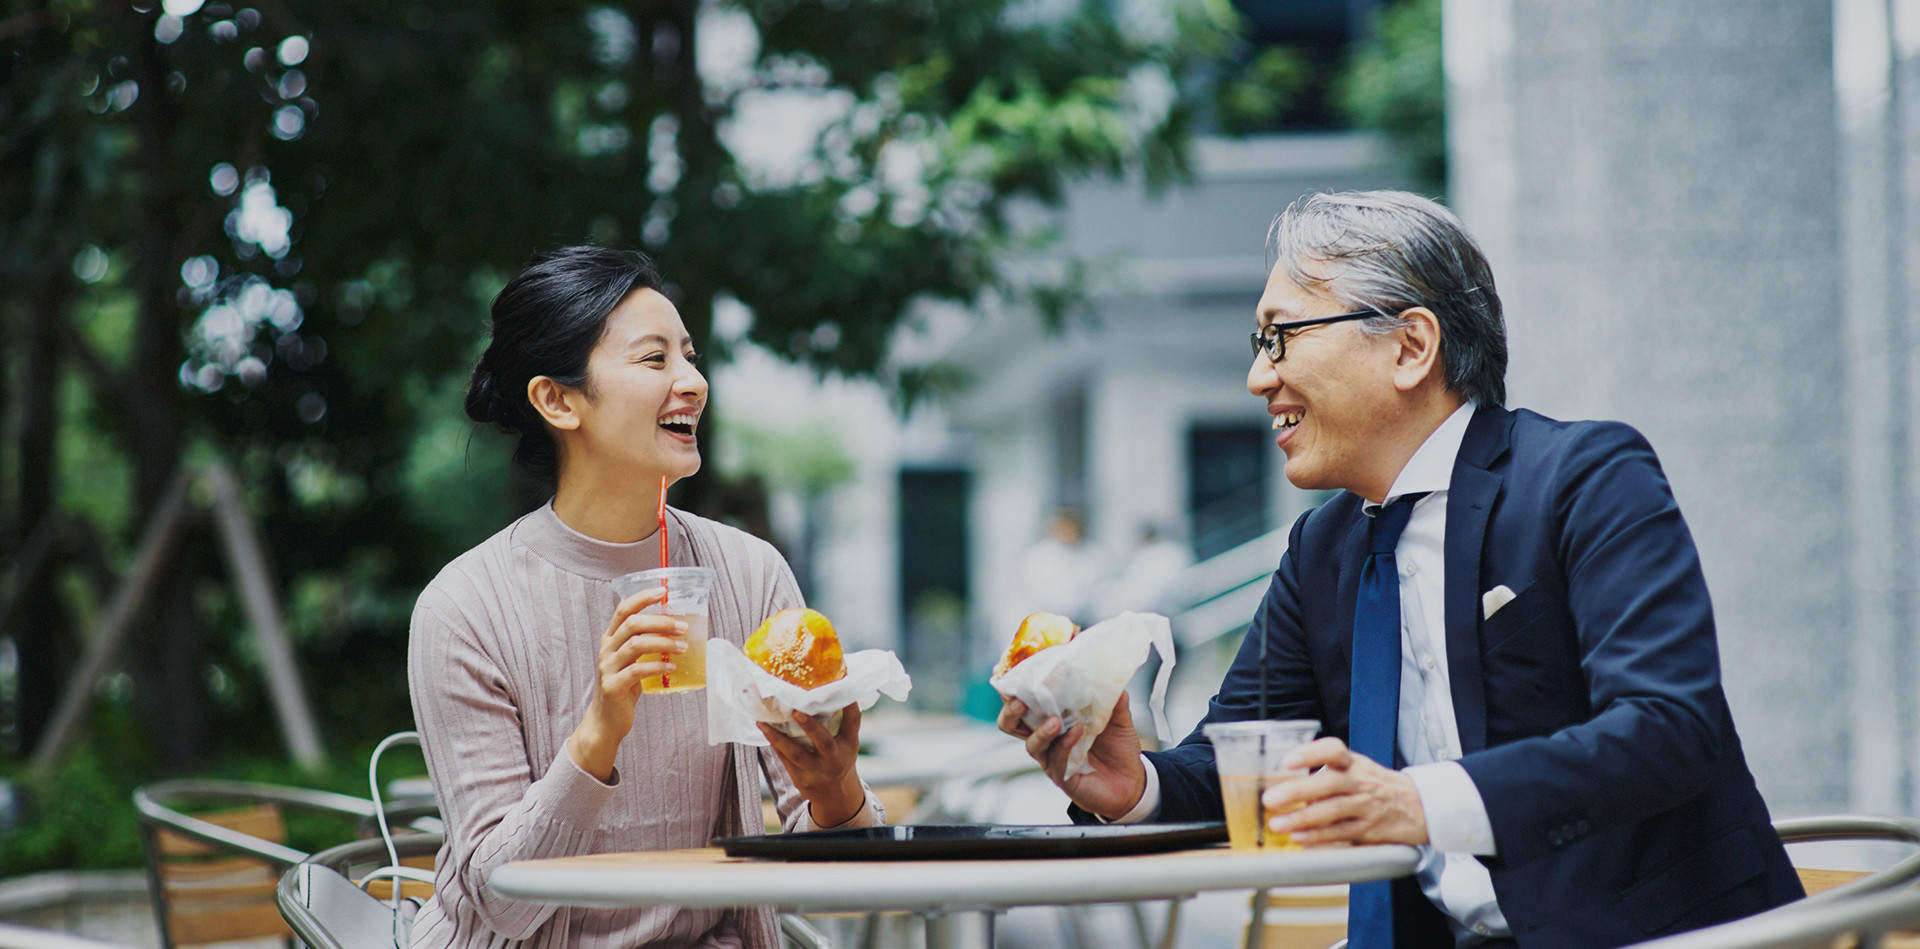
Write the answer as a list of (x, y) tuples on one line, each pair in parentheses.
[(1492, 600)]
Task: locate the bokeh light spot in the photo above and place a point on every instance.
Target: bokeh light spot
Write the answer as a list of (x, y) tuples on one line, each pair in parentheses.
[(223, 179), (288, 122), (90, 265)]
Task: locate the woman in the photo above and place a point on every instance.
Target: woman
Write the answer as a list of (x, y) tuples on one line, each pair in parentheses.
[(538, 739)]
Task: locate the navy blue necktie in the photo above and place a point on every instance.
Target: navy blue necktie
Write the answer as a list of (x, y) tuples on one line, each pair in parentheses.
[(1374, 708)]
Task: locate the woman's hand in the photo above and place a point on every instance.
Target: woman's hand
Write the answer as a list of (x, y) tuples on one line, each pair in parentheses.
[(824, 773), (630, 635)]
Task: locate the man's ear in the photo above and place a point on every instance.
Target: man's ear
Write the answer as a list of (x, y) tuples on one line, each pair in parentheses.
[(554, 402), (1418, 358)]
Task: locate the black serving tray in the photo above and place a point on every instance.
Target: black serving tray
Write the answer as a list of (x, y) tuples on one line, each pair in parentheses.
[(977, 841)]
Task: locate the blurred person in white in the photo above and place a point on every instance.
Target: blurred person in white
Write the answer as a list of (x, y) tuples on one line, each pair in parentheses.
[(1145, 576), (525, 665), (1059, 572)]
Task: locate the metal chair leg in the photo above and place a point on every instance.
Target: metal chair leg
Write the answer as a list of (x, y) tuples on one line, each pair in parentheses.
[(1257, 922), (1172, 933)]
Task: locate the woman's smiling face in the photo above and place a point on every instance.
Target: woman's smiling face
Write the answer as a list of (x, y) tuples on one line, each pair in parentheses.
[(640, 407)]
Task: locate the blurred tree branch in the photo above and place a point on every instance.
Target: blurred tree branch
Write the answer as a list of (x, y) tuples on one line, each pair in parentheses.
[(268, 232), (1397, 84)]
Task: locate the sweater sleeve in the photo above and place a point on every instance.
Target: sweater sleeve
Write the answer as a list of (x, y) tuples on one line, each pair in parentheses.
[(499, 805)]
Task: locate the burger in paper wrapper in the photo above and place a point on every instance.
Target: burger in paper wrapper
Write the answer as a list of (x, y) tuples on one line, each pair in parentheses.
[(799, 646), (793, 663), (1038, 631), (1081, 679)]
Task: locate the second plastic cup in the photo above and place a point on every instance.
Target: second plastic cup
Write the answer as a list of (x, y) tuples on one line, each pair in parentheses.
[(687, 591), (1248, 755)]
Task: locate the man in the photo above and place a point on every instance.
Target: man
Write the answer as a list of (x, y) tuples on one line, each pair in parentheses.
[(1501, 624)]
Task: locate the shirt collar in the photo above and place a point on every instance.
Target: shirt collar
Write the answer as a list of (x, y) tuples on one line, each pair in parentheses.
[(1431, 467)]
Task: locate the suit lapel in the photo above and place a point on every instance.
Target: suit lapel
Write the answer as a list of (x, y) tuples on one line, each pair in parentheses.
[(1470, 500)]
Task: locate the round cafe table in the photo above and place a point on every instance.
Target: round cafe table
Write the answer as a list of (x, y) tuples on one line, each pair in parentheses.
[(958, 898)]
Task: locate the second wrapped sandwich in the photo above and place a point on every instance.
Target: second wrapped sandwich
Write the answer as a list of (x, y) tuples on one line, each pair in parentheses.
[(1081, 678)]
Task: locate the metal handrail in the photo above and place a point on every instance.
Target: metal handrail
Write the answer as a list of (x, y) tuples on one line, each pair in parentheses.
[(1807, 924), (1871, 905), (1795, 830), (157, 802)]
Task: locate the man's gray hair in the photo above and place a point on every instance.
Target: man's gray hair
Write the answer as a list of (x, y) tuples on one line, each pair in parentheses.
[(1388, 251)]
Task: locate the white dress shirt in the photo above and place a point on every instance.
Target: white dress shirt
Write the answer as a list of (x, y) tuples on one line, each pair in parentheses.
[(1429, 735)]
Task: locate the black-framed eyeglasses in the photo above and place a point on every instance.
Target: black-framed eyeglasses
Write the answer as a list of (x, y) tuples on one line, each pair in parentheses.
[(1272, 338)]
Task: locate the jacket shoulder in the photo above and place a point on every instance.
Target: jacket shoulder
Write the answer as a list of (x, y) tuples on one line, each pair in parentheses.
[(1541, 432)]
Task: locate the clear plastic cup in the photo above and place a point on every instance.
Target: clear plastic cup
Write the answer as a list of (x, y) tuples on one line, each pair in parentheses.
[(687, 592), (1248, 755)]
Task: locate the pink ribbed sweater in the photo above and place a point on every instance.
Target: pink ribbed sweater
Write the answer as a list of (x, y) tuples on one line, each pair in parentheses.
[(500, 663)]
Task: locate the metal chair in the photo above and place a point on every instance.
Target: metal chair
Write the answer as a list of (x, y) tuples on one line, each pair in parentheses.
[(1867, 918), (214, 849), (324, 900), (1799, 923), (1820, 884)]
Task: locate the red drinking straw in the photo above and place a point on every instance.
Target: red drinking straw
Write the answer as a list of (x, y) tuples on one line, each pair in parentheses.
[(661, 514)]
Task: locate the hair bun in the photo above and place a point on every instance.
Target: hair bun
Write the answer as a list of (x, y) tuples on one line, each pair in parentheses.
[(483, 395)]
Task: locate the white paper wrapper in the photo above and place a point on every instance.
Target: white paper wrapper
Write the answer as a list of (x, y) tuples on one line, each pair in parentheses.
[(740, 693), (1081, 679)]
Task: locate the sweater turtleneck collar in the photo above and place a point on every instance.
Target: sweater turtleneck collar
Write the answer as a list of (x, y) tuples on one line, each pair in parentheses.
[(548, 537)]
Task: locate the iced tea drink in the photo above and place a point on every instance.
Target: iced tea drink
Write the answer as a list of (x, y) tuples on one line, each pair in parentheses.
[(687, 591), (1248, 755)]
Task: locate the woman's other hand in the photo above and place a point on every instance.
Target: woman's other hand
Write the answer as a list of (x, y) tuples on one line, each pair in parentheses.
[(824, 773), (630, 635)]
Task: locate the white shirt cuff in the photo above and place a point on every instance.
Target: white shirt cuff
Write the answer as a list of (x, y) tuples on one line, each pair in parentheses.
[(1457, 819), (1149, 805), (870, 814)]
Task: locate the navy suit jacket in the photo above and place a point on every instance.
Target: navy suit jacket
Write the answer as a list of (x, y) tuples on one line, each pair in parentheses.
[(1590, 709)]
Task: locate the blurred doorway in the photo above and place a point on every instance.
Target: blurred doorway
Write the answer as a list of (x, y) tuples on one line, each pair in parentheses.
[(933, 583), (1227, 486)]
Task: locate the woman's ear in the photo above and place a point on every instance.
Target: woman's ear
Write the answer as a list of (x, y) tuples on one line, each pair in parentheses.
[(554, 402), (1419, 355)]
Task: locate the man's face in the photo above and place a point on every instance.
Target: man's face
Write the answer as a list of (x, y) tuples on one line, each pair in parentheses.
[(1332, 396)]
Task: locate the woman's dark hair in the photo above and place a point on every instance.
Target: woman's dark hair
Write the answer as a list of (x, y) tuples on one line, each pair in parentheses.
[(546, 321)]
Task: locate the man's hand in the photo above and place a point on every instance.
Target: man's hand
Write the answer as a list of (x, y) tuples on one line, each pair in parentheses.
[(1119, 777), (1350, 799)]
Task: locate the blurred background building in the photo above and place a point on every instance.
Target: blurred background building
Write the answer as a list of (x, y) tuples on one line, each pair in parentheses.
[(1702, 216)]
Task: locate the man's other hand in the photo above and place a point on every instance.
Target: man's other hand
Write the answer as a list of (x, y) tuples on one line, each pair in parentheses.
[(1119, 776), (1349, 799)]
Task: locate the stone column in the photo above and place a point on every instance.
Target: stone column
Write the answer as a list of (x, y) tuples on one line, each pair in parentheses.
[(1879, 450), (1654, 181)]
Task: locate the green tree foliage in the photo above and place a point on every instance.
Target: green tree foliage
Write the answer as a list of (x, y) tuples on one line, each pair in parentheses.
[(267, 234), (1396, 84), (1260, 92)]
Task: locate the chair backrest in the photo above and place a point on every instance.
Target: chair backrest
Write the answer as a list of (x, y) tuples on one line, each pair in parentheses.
[(206, 894), (211, 844)]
